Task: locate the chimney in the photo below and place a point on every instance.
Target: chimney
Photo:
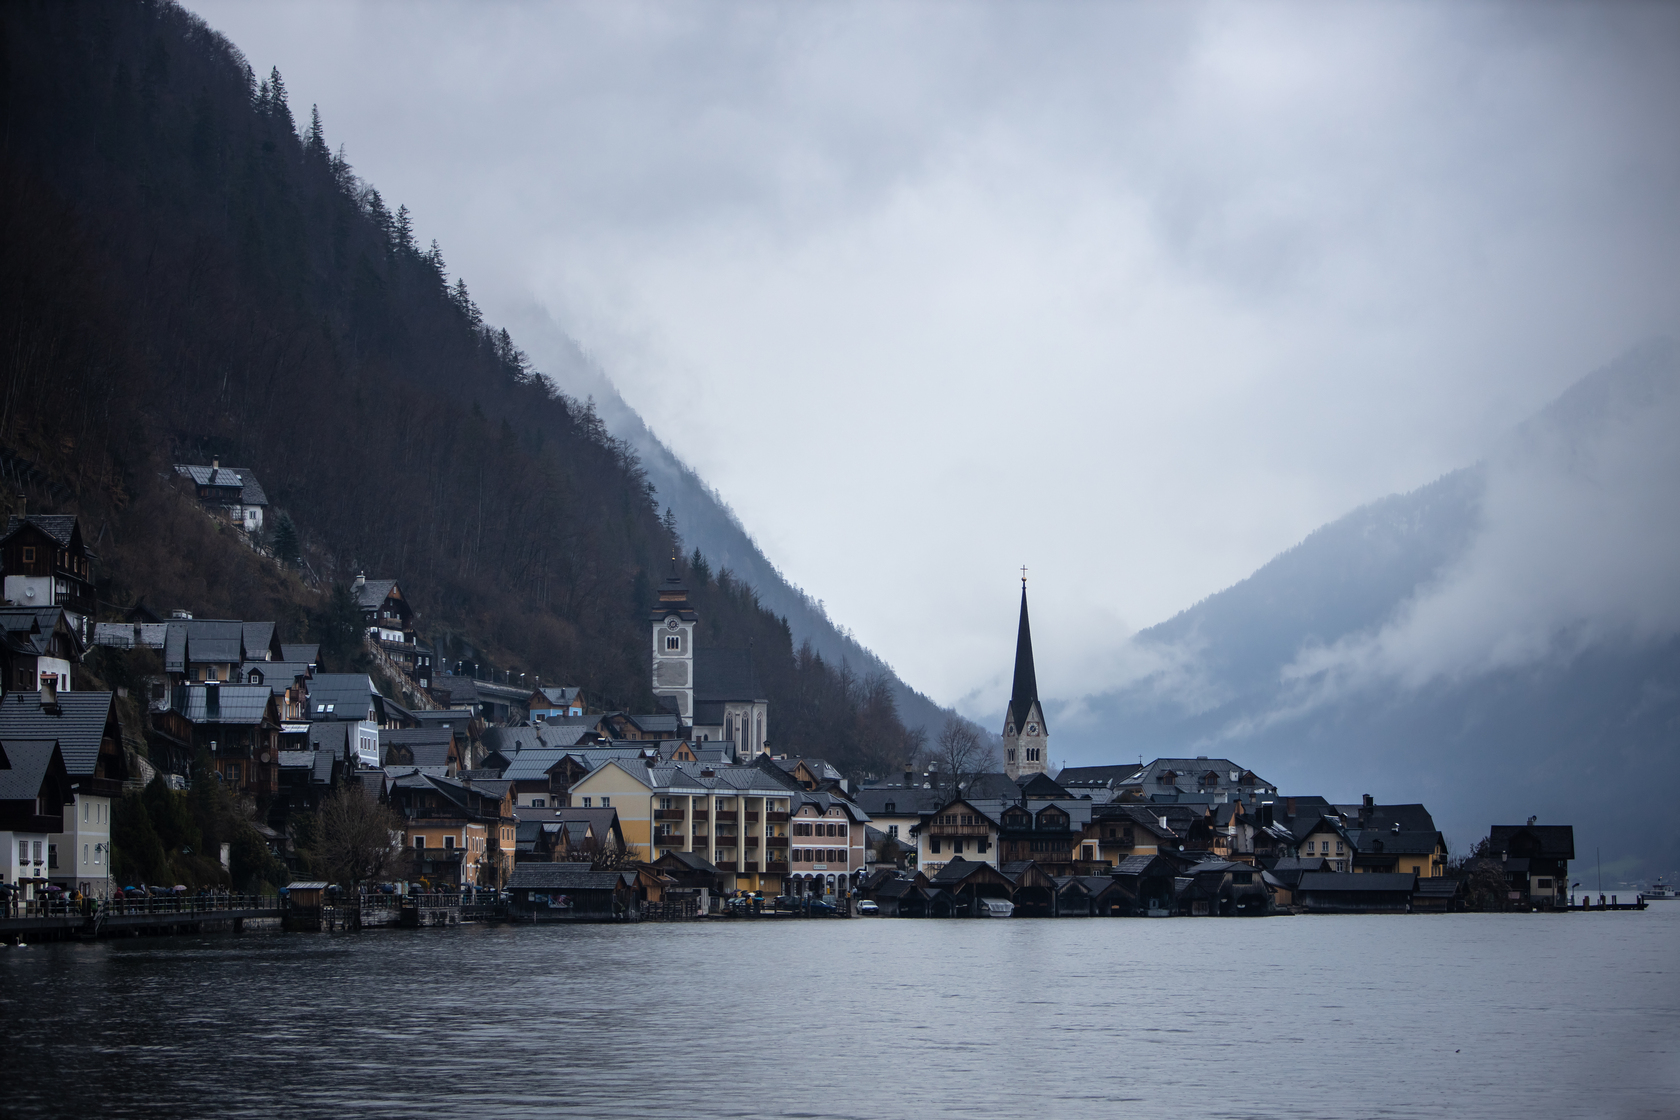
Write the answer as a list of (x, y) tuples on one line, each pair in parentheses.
[(359, 582), (909, 779), (49, 695), (1289, 806), (1369, 801)]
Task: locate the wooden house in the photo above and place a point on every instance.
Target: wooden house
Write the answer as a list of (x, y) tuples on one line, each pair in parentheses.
[(47, 564)]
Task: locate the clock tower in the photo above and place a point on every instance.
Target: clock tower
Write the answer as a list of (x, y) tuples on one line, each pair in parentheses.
[(1026, 741), (673, 646)]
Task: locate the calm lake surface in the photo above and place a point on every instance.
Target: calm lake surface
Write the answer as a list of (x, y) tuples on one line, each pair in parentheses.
[(1434, 1016)]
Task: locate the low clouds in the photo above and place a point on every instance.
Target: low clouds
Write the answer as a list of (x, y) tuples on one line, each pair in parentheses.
[(1579, 546), (1137, 295)]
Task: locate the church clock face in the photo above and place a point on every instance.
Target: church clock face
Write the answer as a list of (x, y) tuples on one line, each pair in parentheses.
[(1032, 729), (670, 624)]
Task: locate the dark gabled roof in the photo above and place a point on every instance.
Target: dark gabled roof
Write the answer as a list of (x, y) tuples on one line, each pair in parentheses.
[(1410, 818), (1546, 841), (373, 592), (30, 761), (992, 787), (61, 527), (235, 703), (1352, 881), (251, 492), (1383, 842), (423, 746), (721, 675), (277, 675), (1145, 865), (905, 802), (959, 869), (1438, 887), (1042, 786), (1101, 776), (823, 802), (562, 877), (341, 696), (30, 630), (694, 861), (309, 653), (78, 727)]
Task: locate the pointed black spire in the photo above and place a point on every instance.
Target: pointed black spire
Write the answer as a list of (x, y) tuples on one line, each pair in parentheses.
[(1025, 692)]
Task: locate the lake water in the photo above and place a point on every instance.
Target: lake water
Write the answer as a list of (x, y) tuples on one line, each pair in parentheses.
[(1422, 1016)]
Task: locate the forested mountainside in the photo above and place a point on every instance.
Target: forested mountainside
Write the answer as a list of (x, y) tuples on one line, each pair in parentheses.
[(705, 521), (188, 272), (1498, 644)]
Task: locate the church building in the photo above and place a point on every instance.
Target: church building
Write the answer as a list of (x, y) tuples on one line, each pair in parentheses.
[(714, 693), (1026, 740)]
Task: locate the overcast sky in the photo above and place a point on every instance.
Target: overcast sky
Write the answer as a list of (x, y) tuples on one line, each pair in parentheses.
[(1135, 295)]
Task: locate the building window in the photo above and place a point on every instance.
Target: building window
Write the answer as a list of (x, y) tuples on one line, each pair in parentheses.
[(586, 803), (892, 830), (665, 803), (606, 803), (419, 843), (672, 642), (933, 844), (539, 803), (449, 843), (28, 554)]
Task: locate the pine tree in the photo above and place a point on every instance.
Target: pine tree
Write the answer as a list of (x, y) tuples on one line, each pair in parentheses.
[(404, 230), (317, 142), (286, 540), (277, 106), (464, 301), (434, 257)]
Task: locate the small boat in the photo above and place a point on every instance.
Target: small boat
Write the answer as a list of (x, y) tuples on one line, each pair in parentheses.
[(1659, 892), (995, 908)]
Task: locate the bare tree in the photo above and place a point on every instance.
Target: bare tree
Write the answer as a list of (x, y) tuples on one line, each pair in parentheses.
[(961, 752), (356, 838), (601, 857)]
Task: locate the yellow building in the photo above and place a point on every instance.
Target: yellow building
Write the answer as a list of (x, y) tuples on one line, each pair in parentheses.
[(736, 817)]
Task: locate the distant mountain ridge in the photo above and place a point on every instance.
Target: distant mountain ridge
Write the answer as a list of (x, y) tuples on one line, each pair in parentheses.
[(1500, 643), (704, 519)]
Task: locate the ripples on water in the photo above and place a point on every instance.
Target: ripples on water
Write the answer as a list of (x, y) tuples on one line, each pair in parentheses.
[(1424, 1016)]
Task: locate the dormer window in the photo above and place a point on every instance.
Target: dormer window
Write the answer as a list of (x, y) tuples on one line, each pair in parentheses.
[(28, 554)]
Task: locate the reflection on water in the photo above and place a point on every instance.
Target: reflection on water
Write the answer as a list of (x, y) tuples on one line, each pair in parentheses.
[(1521, 1016)]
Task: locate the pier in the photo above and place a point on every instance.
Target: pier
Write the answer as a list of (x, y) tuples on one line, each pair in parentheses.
[(130, 917)]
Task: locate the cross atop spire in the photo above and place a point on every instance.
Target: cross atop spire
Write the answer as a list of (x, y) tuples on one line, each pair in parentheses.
[(1023, 578)]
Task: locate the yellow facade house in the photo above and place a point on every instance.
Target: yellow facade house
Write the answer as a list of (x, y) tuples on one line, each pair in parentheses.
[(735, 817)]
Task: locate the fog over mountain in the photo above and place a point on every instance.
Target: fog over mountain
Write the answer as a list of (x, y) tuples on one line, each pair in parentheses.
[(704, 519), (1501, 643)]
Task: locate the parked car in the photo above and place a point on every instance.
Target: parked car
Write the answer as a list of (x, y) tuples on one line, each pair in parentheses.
[(867, 906), (818, 906)]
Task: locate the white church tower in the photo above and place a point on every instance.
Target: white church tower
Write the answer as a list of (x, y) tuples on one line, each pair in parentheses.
[(673, 646), (1026, 741)]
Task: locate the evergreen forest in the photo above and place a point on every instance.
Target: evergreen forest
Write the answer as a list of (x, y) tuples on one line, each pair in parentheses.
[(189, 270)]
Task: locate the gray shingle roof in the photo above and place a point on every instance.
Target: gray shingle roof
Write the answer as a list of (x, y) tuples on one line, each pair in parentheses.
[(79, 726), (1350, 881), (341, 696), (236, 703), (251, 492), (61, 527), (562, 877), (374, 592), (30, 760)]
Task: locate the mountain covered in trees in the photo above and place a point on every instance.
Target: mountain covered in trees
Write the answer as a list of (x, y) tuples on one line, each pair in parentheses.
[(189, 271)]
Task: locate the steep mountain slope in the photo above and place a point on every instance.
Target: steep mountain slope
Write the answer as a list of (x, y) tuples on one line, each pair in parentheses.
[(185, 273), (704, 519), (1504, 642)]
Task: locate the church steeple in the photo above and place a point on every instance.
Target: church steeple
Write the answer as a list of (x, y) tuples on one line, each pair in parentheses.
[(1024, 694), (1026, 739)]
